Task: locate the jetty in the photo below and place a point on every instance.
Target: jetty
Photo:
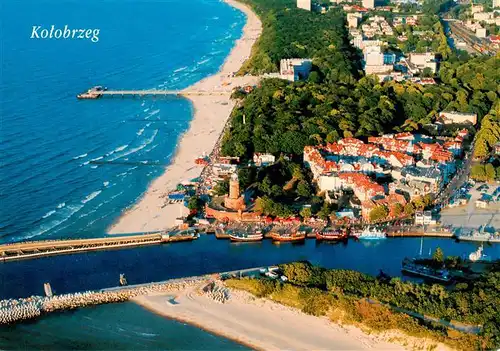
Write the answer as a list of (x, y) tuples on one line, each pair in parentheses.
[(98, 92), (37, 249)]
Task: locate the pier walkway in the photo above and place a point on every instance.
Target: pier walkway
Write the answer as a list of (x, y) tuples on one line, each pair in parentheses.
[(36, 249), (98, 92)]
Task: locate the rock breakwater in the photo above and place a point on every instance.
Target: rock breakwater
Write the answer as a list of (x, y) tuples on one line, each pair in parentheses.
[(16, 310)]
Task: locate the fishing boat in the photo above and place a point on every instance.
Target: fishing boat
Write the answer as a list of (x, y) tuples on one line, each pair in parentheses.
[(369, 233), (331, 234), (294, 236), (440, 275), (246, 237)]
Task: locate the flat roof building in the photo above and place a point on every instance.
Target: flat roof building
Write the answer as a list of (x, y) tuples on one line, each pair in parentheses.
[(304, 4)]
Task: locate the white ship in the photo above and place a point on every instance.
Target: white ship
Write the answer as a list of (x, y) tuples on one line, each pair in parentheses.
[(370, 233)]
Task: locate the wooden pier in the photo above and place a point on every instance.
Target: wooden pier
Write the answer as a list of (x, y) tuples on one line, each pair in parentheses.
[(36, 249)]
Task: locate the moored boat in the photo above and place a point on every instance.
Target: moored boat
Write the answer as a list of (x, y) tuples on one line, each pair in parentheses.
[(246, 237), (440, 275), (331, 234), (369, 233), (288, 236)]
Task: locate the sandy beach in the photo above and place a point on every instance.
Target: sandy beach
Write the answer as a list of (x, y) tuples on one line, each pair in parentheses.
[(211, 112), (265, 325)]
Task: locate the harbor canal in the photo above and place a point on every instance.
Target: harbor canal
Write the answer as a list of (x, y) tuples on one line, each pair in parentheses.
[(98, 270)]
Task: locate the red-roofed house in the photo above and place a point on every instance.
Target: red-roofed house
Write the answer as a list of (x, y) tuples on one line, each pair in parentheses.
[(388, 201)]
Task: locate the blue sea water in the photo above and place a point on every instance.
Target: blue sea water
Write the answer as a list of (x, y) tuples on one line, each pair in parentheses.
[(125, 326), (49, 185)]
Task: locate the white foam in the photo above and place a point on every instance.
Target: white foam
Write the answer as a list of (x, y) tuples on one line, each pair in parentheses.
[(203, 61), (85, 163), (143, 103), (70, 211), (91, 196), (97, 158), (61, 205), (48, 214), (138, 148), (152, 113), (118, 149), (146, 109), (147, 125), (93, 167), (105, 183), (79, 156), (140, 132), (180, 69)]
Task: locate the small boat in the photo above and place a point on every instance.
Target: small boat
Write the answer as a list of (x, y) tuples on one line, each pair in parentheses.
[(246, 237), (370, 233), (331, 234), (295, 236), (440, 275), (478, 256)]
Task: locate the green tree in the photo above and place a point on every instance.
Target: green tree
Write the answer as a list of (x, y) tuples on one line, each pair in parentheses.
[(489, 171), (221, 188), (438, 255), (398, 210), (378, 213), (303, 189), (305, 213), (409, 209), (195, 203)]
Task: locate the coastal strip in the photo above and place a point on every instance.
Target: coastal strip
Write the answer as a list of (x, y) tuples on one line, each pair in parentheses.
[(208, 304), (211, 113)]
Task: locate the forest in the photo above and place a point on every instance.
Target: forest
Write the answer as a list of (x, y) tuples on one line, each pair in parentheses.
[(281, 116), (289, 32), (337, 100), (344, 296)]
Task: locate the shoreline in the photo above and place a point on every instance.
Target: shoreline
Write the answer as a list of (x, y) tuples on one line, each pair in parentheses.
[(210, 115), (263, 324)]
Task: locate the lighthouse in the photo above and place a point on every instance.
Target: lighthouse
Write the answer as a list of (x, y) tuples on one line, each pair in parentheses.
[(234, 201)]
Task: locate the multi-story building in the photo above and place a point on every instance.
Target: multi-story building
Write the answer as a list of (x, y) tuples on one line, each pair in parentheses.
[(295, 69), (368, 4), (476, 8), (263, 159), (421, 61), (457, 117), (483, 16), (304, 4)]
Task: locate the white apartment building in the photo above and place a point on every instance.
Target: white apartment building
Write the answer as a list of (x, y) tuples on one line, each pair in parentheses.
[(483, 16), (304, 4), (369, 4), (295, 69), (458, 117)]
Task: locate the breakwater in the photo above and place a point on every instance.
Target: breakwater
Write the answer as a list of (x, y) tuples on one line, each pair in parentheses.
[(16, 310), (36, 249)]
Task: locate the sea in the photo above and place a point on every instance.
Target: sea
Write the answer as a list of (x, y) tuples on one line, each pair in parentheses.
[(69, 168)]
